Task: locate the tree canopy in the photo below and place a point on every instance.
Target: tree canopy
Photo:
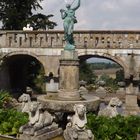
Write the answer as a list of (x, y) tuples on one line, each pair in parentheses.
[(40, 21), (86, 73), (15, 14)]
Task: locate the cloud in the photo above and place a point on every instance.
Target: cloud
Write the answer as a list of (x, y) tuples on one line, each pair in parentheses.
[(98, 14), (109, 6)]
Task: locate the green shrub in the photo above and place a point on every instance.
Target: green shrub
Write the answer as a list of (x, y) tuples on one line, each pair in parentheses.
[(117, 128), (111, 84), (11, 120), (5, 98)]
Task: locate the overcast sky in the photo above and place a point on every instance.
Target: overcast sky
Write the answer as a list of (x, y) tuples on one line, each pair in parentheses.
[(99, 14)]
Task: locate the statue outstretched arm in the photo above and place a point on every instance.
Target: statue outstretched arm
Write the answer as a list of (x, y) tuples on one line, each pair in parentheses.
[(77, 6), (63, 13)]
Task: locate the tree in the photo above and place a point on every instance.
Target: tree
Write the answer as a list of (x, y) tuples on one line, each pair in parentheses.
[(107, 79), (86, 73), (14, 14), (110, 83), (120, 75), (35, 76), (40, 21)]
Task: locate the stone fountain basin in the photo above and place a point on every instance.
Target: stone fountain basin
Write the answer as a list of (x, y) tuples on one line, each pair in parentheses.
[(54, 103)]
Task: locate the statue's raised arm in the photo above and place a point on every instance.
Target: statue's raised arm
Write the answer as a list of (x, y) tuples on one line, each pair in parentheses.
[(77, 6)]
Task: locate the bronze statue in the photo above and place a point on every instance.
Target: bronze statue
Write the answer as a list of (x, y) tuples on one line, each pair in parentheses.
[(69, 18)]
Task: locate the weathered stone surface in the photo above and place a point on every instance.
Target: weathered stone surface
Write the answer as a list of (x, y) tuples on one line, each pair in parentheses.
[(69, 55), (83, 91), (121, 91), (51, 43), (52, 86), (115, 45), (101, 92), (69, 76), (25, 100), (131, 100), (90, 39), (130, 89), (131, 106), (46, 129), (57, 104), (111, 109), (38, 120), (43, 136), (69, 95), (76, 127)]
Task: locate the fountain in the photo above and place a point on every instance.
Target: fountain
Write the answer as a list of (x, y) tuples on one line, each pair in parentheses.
[(62, 103), (68, 94)]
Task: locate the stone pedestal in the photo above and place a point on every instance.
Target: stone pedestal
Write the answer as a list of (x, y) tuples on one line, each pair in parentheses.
[(131, 106), (69, 76), (51, 86), (42, 134), (121, 91)]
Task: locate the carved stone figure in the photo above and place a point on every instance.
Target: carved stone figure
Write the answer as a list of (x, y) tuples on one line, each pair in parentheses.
[(75, 129), (83, 90), (38, 119), (121, 89), (28, 28), (111, 109), (25, 99), (69, 20)]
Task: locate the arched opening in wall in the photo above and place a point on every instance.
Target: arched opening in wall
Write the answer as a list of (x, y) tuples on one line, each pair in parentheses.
[(24, 71), (94, 69)]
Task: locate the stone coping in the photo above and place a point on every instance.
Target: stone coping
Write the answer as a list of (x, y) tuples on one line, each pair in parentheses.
[(57, 105), (76, 31)]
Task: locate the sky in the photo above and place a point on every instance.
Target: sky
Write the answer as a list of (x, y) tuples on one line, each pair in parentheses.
[(98, 14), (99, 60)]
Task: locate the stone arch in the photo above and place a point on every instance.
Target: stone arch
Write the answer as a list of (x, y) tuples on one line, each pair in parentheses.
[(12, 53), (21, 53), (116, 59), (21, 62)]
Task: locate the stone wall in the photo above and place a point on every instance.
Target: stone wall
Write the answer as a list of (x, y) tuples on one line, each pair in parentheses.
[(83, 39), (46, 46)]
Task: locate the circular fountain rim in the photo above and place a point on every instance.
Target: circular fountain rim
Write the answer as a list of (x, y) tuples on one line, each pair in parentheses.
[(91, 104)]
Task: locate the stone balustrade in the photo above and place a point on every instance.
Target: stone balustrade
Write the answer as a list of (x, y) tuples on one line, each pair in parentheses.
[(83, 39)]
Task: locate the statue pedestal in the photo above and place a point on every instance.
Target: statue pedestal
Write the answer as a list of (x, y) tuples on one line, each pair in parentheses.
[(131, 107), (45, 133), (69, 76)]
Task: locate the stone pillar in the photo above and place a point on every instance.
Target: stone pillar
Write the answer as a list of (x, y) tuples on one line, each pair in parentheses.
[(131, 106), (69, 76)]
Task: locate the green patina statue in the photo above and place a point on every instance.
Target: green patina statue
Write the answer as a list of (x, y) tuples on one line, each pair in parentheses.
[(69, 20)]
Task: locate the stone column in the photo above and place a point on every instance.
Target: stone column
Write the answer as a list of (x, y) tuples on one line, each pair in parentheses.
[(131, 106), (69, 76)]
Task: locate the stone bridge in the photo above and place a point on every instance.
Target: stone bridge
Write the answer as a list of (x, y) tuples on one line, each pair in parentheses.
[(122, 47)]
